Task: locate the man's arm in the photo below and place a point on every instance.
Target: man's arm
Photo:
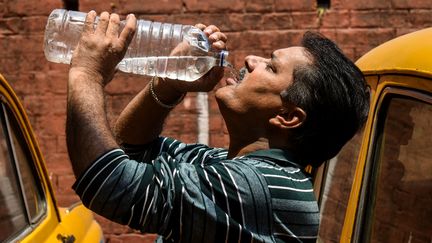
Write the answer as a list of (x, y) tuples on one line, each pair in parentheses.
[(93, 66), (142, 120)]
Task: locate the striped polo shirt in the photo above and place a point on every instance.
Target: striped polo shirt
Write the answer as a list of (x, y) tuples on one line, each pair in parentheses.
[(193, 193)]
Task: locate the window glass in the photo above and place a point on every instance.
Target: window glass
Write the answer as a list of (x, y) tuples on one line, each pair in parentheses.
[(22, 200), (335, 191), (400, 208), (31, 184), (12, 209)]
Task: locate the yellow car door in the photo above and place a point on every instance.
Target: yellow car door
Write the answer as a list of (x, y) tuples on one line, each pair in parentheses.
[(28, 211)]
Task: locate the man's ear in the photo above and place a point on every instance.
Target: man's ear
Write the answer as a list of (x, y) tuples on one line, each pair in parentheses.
[(287, 119)]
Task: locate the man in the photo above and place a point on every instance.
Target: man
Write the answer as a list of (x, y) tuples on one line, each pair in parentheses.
[(296, 108)]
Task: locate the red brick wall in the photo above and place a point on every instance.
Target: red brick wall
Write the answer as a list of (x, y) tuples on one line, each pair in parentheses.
[(253, 26)]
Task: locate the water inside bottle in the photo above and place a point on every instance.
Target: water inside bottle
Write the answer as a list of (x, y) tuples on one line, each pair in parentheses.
[(186, 68)]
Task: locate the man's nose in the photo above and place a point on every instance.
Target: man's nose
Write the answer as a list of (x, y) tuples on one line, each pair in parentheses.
[(252, 61)]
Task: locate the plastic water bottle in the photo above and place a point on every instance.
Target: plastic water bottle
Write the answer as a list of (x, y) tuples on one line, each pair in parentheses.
[(174, 51)]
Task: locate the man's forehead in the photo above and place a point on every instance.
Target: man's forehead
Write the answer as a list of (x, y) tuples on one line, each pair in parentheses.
[(294, 55)]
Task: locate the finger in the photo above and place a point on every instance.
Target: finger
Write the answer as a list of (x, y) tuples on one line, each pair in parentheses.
[(218, 36), (200, 26), (113, 26), (103, 23), (219, 45), (89, 22), (129, 30), (211, 29)]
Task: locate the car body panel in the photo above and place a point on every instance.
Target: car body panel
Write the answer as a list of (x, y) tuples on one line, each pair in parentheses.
[(407, 54), (76, 224), (404, 63)]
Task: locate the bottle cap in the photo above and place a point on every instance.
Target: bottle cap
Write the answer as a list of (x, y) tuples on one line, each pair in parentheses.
[(223, 55)]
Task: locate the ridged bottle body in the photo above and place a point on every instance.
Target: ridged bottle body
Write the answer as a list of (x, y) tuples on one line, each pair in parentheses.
[(157, 49)]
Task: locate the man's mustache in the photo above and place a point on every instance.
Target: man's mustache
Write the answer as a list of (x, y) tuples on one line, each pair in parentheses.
[(242, 72)]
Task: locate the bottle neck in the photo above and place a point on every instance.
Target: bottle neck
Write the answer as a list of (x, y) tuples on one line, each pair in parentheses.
[(221, 58)]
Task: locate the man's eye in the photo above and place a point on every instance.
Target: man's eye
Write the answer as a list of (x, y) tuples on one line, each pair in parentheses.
[(269, 67)]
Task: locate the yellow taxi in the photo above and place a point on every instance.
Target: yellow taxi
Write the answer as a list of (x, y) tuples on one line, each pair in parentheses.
[(28, 210), (379, 188)]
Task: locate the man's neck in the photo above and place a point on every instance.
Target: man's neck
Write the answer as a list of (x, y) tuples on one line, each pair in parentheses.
[(242, 147)]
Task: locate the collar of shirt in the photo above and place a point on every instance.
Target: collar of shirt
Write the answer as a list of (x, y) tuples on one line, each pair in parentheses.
[(281, 157)]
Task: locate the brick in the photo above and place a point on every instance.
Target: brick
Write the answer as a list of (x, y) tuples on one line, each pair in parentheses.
[(186, 18), (35, 105), (15, 25), (27, 8), (259, 5), (112, 6), (133, 238), (367, 37), (420, 18), (2, 9), (361, 4), (241, 22), (219, 140), (36, 83), (54, 82), (187, 138), (57, 163), (66, 200), (359, 51), (404, 31), (213, 6), (145, 7), (65, 183), (335, 19), (109, 227), (50, 125), (47, 104), (225, 22), (267, 40), (290, 5), (126, 84), (216, 124), (117, 103), (286, 39), (24, 45), (47, 144), (305, 20), (61, 144), (397, 19), (277, 21), (366, 19), (411, 4)]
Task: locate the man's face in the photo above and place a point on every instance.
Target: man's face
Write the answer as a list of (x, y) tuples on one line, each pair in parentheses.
[(258, 94)]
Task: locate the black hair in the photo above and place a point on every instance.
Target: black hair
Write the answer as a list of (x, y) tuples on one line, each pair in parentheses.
[(333, 93)]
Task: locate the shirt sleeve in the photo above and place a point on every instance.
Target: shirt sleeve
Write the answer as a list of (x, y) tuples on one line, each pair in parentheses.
[(136, 186), (129, 192)]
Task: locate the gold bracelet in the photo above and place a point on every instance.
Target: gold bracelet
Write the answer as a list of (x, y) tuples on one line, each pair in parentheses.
[(158, 101)]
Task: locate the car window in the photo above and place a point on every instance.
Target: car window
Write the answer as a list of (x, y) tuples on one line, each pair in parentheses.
[(12, 209), (22, 200), (335, 189), (399, 193)]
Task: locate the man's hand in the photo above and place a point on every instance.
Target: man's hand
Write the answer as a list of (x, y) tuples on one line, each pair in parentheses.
[(210, 79), (100, 49)]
